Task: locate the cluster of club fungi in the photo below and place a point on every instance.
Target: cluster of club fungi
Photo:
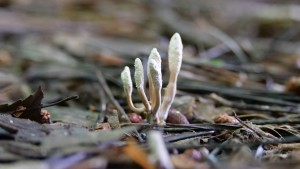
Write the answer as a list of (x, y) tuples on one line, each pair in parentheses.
[(156, 108)]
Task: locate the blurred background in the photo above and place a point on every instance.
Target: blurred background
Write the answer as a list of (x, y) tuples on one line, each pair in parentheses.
[(239, 56), (60, 44)]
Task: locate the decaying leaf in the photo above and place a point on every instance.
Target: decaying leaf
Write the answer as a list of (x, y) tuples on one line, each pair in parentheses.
[(137, 154), (225, 118), (31, 107), (28, 108)]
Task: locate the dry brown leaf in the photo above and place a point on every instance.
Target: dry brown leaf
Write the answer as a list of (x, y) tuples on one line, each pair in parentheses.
[(32, 101), (137, 154), (225, 118)]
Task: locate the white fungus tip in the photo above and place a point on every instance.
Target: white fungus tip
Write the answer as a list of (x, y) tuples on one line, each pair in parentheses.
[(155, 73), (175, 53), (154, 55), (139, 73), (126, 78)]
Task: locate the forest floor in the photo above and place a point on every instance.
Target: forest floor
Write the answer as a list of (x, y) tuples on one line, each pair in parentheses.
[(63, 106)]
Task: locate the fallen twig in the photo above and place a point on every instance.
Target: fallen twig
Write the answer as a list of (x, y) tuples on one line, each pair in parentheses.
[(121, 111)]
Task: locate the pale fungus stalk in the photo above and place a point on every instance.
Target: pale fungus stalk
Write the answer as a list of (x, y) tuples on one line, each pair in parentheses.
[(175, 60), (154, 71), (127, 84), (139, 81), (156, 109), (155, 57), (157, 84)]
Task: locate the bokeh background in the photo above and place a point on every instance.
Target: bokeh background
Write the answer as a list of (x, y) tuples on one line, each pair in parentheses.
[(239, 56), (60, 44)]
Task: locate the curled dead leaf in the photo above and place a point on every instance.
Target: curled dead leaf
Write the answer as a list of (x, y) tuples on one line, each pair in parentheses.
[(225, 118), (21, 108)]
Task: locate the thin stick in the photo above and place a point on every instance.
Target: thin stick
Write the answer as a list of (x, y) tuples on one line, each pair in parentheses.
[(290, 139), (111, 97), (45, 105), (102, 104), (184, 136), (244, 124)]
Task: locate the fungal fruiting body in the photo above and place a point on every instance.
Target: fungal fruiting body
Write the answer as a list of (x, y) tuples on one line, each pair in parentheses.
[(139, 81), (154, 63), (158, 108), (175, 61), (127, 85)]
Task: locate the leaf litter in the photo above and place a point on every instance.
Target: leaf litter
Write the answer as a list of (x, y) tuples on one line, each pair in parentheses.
[(237, 92)]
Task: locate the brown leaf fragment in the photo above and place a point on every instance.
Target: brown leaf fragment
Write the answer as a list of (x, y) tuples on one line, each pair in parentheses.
[(18, 114), (29, 108), (137, 154), (225, 118)]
